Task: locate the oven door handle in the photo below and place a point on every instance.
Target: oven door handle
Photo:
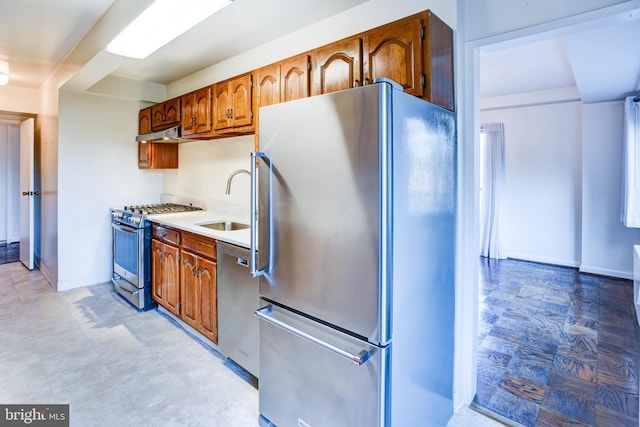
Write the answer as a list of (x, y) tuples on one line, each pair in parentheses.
[(124, 228)]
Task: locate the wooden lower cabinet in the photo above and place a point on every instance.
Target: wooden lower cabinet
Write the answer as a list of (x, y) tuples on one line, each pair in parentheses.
[(183, 278), (199, 294), (165, 277)]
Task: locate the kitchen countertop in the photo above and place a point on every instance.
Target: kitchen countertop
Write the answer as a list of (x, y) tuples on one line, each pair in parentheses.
[(188, 221)]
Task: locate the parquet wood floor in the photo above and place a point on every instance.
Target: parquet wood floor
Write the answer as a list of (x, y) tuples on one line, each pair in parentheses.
[(9, 252), (557, 347)]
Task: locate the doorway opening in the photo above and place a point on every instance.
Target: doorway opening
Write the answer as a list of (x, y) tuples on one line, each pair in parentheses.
[(548, 334), (17, 169)]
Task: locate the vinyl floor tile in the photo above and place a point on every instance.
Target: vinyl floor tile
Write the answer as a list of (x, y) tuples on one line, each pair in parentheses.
[(115, 366)]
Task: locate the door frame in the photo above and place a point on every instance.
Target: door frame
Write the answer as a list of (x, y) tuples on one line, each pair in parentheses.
[(467, 225)]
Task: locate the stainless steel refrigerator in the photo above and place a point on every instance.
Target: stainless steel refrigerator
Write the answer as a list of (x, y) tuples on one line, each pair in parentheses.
[(353, 241)]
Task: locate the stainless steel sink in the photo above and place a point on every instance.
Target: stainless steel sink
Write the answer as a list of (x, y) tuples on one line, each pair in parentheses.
[(224, 225)]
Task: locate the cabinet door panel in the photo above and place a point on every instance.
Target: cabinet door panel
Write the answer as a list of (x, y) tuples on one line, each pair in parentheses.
[(337, 66), (172, 111), (208, 299), (294, 77), (202, 110), (395, 51), (439, 62), (189, 289), (156, 272), (267, 85), (241, 101), (157, 116), (221, 119), (172, 277), (188, 112), (144, 121)]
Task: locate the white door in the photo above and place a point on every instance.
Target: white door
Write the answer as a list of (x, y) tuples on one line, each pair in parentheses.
[(27, 191)]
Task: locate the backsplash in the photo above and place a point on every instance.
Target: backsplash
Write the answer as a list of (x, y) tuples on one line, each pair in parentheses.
[(204, 168)]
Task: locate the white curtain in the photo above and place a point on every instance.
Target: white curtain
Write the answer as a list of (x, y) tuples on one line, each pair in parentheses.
[(492, 172), (630, 212)]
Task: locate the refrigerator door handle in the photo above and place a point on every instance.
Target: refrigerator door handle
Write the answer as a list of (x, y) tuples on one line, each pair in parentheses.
[(253, 262), (358, 358)]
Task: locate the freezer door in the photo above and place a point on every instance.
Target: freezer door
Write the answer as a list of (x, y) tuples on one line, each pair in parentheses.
[(311, 375), (320, 208)]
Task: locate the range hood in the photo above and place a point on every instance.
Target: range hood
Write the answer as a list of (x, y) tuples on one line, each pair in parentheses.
[(170, 135)]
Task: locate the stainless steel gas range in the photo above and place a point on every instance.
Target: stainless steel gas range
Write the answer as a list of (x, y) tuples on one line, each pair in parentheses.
[(132, 250)]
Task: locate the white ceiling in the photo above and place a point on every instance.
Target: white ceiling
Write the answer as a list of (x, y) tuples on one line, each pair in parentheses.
[(601, 60), (36, 35)]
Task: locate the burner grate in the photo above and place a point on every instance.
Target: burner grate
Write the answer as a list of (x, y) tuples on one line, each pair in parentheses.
[(160, 208)]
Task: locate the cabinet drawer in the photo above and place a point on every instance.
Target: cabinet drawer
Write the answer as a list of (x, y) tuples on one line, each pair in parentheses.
[(200, 245), (167, 235)]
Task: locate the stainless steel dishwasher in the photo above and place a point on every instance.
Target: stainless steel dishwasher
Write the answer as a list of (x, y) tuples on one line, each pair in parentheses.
[(238, 299)]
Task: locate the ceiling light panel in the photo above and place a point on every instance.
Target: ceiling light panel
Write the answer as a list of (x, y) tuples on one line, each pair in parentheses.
[(160, 23)]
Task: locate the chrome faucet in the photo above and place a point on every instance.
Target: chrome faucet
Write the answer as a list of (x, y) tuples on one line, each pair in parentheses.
[(234, 173)]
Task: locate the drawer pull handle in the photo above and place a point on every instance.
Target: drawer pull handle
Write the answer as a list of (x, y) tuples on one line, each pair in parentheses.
[(358, 358)]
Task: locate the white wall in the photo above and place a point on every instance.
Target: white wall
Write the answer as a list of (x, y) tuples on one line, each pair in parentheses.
[(98, 169), (542, 199), (204, 168), (46, 140), (607, 245), (19, 99)]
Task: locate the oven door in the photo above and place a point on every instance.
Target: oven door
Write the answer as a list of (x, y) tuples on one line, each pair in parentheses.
[(128, 253)]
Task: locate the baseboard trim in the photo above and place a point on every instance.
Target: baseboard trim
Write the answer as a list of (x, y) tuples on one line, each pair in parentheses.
[(494, 416), (607, 272), (544, 260)]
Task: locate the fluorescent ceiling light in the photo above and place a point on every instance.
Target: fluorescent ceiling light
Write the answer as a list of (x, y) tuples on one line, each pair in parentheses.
[(4, 79), (160, 23)]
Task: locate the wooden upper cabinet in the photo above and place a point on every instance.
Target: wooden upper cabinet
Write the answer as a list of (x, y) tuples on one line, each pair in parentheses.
[(152, 155), (241, 90), (144, 126), (438, 61), (394, 51), (267, 92), (165, 114), (337, 66), (144, 121), (232, 103), (294, 78), (416, 52), (267, 85), (196, 112)]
